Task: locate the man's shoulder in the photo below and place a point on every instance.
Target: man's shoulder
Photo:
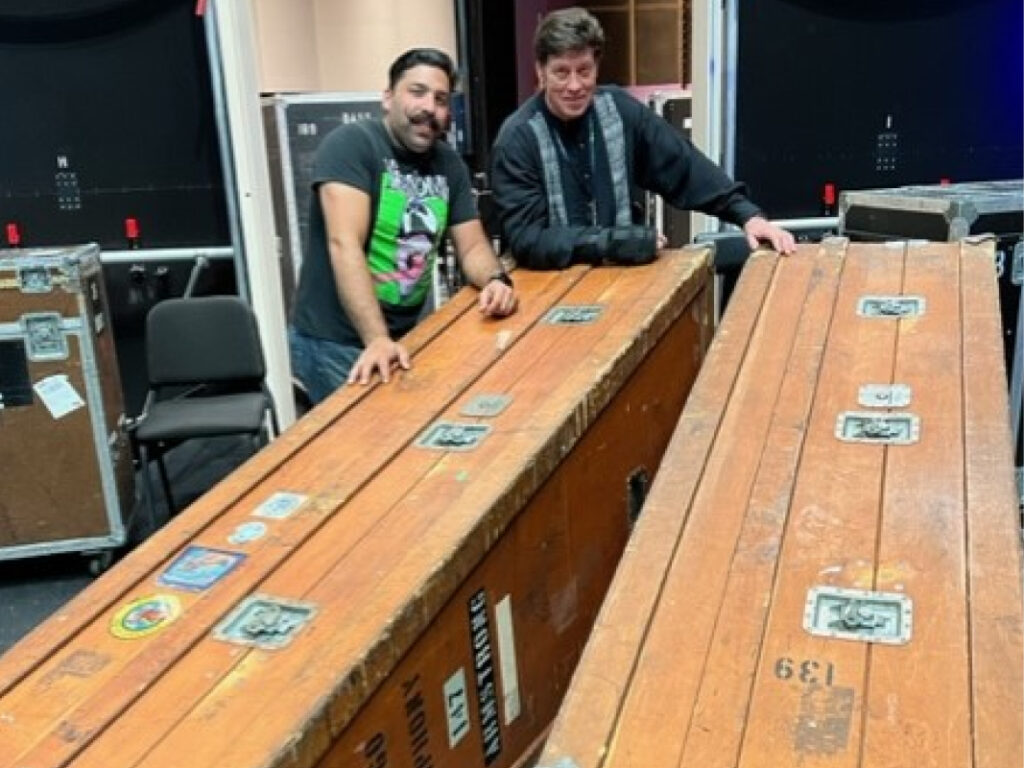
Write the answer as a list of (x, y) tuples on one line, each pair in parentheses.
[(355, 135), (623, 99), (519, 120)]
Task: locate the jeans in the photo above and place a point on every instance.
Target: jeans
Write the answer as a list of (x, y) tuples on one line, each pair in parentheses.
[(322, 366)]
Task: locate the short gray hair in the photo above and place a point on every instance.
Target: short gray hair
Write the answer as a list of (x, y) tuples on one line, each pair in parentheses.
[(565, 31)]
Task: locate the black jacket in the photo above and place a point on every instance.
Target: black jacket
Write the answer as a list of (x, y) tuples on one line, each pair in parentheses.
[(657, 158)]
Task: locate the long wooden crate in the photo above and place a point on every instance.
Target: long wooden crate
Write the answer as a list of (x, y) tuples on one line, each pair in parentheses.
[(808, 589), (360, 598)]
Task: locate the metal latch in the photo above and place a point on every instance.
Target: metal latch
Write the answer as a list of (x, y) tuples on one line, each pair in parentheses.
[(890, 306), (34, 280), (580, 314), (855, 614), (453, 436), (486, 405), (890, 429), (265, 622), (884, 396), (44, 336)]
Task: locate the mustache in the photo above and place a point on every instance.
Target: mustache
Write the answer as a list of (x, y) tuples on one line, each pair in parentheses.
[(425, 118)]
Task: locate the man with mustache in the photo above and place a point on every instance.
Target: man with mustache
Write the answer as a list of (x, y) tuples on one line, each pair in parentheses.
[(385, 193), (570, 165)]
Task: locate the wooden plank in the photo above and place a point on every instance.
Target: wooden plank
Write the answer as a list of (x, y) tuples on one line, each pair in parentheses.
[(830, 538), (586, 721), (917, 695), (714, 733), (715, 669), (99, 700), (993, 543), (118, 667), (716, 519)]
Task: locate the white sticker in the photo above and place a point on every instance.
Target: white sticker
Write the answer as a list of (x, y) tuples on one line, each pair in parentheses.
[(507, 658), (456, 704), (280, 505), (57, 394)]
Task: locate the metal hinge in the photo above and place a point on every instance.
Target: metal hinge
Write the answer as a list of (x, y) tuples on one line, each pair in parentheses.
[(453, 436), (265, 622), (887, 429), (855, 614), (581, 314), (890, 306)]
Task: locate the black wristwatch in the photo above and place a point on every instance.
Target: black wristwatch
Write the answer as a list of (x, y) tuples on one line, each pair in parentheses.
[(503, 276)]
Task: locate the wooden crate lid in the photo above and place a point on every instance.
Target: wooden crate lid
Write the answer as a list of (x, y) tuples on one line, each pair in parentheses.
[(387, 531), (700, 657)]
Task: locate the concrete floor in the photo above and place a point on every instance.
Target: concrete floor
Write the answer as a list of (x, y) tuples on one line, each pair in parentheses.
[(33, 588)]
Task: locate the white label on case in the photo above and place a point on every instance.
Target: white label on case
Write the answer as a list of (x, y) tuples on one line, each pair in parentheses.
[(456, 705), (507, 658), (280, 505), (57, 394)]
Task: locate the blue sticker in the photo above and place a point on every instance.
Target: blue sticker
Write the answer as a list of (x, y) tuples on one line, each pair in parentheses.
[(247, 532), (280, 505), (198, 568)]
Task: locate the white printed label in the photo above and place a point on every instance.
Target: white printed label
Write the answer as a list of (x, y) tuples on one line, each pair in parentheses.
[(57, 394), (507, 658), (280, 505), (456, 704)]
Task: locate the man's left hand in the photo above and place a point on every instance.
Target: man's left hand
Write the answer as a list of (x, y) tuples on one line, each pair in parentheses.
[(497, 299), (759, 229)]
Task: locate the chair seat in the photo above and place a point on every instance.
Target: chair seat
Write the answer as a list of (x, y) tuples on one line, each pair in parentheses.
[(203, 417)]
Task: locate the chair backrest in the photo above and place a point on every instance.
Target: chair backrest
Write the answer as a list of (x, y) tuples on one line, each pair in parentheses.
[(203, 339)]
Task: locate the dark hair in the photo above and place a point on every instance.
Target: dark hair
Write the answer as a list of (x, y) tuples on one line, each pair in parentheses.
[(432, 57), (565, 31)]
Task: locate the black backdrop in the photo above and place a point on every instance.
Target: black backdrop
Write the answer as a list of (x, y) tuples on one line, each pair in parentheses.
[(108, 114), (818, 80)]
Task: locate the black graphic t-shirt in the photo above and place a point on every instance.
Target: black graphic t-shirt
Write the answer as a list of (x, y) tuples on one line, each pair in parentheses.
[(414, 198)]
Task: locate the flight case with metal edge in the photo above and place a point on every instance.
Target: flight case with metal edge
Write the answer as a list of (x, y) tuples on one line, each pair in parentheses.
[(947, 212), (68, 470), (294, 125), (674, 105)]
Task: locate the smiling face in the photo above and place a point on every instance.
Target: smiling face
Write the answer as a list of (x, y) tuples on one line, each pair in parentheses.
[(569, 80), (417, 108)]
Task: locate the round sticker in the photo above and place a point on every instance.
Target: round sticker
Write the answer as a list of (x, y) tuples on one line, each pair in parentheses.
[(145, 616)]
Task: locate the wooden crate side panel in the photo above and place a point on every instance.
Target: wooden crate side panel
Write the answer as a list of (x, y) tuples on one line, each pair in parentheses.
[(47, 638), (993, 533), (555, 562), (52, 487), (588, 715), (451, 515), (92, 701), (830, 538), (14, 303), (96, 308), (916, 695), (671, 662)]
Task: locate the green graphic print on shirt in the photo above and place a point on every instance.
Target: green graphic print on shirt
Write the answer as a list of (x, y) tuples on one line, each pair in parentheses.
[(411, 217)]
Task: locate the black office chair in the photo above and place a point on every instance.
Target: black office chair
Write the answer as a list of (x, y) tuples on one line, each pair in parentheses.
[(206, 379)]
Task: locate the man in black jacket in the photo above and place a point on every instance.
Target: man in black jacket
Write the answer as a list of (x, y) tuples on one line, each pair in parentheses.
[(569, 165)]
